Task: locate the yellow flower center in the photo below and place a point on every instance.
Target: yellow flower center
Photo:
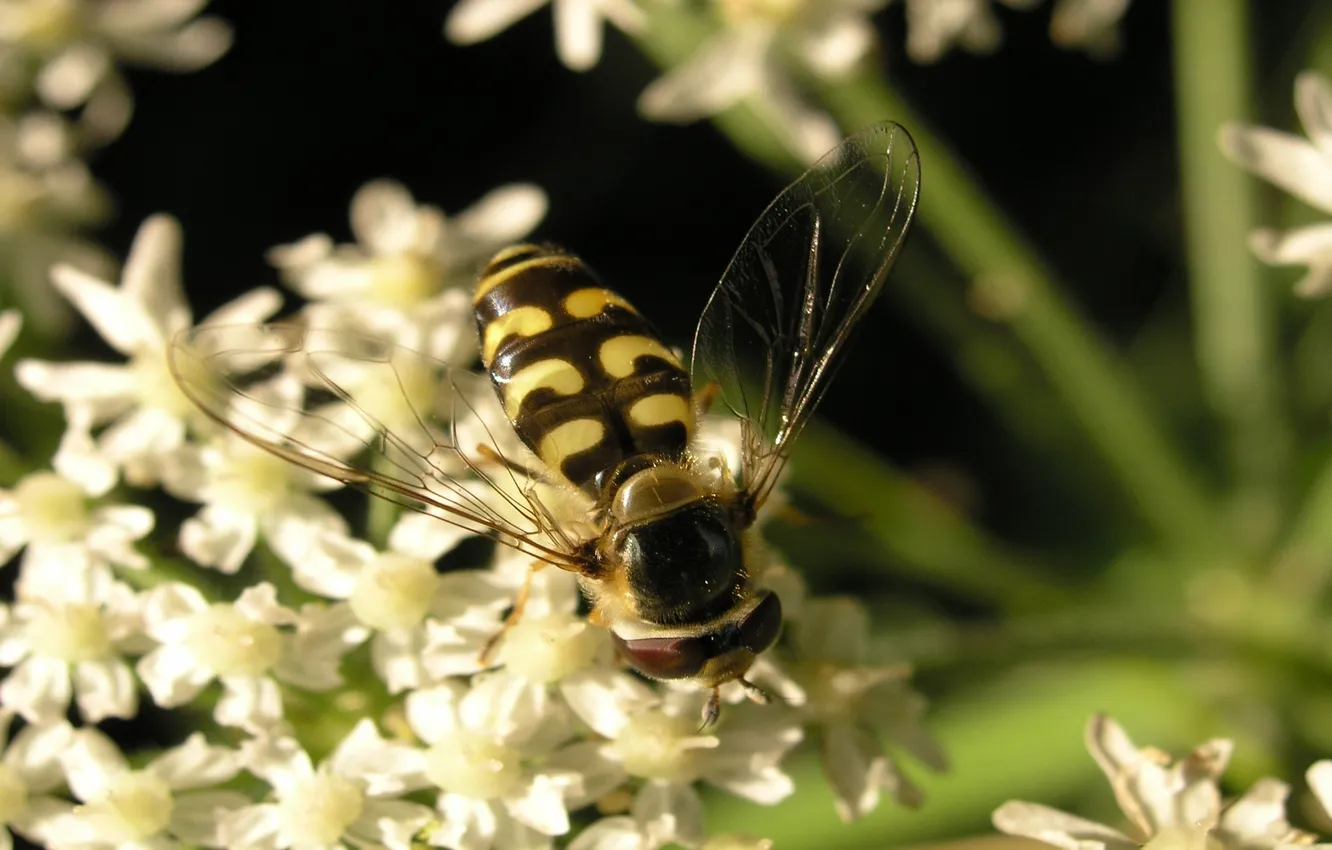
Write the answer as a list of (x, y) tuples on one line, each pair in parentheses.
[(405, 280), (473, 766), (136, 806), (73, 633), (230, 643), (318, 810), (53, 509), (394, 591)]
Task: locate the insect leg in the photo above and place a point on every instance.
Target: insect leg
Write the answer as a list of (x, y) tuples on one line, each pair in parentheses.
[(705, 396), (515, 614), (488, 452), (711, 709)]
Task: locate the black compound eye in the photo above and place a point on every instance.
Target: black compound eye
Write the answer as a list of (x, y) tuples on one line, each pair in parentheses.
[(665, 658), (760, 629)]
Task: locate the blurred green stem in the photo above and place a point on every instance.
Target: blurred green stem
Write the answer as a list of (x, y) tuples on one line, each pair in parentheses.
[(971, 229), (1087, 376), (1231, 308), (930, 538)]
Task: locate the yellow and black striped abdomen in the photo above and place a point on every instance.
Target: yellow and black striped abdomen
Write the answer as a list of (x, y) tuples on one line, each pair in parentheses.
[(583, 377)]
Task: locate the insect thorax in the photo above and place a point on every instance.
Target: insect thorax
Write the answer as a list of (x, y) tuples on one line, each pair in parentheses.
[(676, 546), (585, 380)]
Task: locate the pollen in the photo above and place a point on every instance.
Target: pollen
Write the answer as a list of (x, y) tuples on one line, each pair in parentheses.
[(231, 644), (546, 649), (53, 509), (73, 633), (394, 591), (474, 766), (250, 479), (318, 810), (658, 746), (136, 806)]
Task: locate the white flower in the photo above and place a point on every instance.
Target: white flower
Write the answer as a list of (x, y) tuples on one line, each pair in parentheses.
[(248, 491), (577, 24), (742, 754), (141, 411), (1302, 167), (10, 322), (1089, 24), (934, 26), (500, 784), (410, 275), (75, 43), (71, 645), (661, 814), (552, 654), (161, 805), (51, 516), (426, 625), (332, 806), (856, 705), (1169, 805), (248, 646), (749, 58), (45, 195), (29, 772)]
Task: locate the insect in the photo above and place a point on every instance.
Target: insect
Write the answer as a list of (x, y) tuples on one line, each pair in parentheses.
[(605, 415)]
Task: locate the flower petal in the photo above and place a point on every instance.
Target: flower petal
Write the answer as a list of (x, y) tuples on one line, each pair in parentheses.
[(196, 764), (471, 21), (1286, 160)]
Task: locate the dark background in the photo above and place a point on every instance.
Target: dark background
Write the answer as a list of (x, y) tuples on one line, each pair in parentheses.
[(315, 98)]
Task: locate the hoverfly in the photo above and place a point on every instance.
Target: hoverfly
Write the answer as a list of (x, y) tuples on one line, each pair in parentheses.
[(603, 411)]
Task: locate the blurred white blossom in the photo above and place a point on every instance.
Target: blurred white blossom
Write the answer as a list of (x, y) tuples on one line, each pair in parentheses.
[(10, 323), (1169, 804), (74, 46), (136, 409), (749, 60), (1300, 166), (166, 804), (578, 23), (410, 273), (1092, 25)]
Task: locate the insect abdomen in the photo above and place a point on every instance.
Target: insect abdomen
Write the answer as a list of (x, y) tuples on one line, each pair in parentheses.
[(584, 378)]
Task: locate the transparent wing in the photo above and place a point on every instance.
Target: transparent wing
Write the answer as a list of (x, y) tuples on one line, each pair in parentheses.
[(376, 416), (775, 328)]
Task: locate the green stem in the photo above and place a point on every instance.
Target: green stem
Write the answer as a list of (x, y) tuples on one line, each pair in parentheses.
[(1084, 372), (928, 538), (1232, 309), (1089, 379)]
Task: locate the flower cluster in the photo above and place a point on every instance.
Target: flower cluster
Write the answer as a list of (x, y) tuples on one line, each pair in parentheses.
[(762, 48), (62, 97), (1170, 805), (373, 699)]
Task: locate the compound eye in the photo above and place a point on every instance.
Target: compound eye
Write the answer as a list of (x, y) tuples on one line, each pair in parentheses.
[(760, 629), (665, 658)]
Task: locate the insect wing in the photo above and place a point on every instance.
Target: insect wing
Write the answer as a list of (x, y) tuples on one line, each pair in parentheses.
[(775, 328), (375, 416)]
